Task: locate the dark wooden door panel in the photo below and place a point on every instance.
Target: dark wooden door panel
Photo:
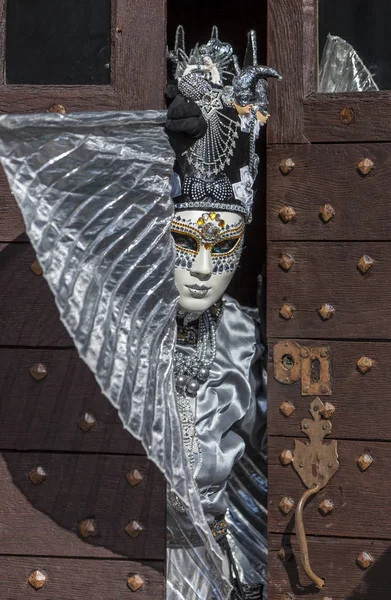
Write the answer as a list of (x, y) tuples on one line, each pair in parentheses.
[(335, 560), (69, 579), (11, 220), (328, 174), (323, 119), (28, 314), (361, 499), (325, 272), (43, 415), (326, 253), (361, 400), (43, 519)]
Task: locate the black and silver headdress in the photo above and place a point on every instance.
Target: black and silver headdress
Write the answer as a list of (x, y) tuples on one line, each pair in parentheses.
[(218, 170)]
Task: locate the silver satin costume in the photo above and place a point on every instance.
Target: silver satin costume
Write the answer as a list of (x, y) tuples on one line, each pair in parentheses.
[(230, 410), (227, 406), (94, 190)]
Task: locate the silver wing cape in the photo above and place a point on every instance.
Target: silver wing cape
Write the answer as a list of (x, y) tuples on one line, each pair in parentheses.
[(94, 190)]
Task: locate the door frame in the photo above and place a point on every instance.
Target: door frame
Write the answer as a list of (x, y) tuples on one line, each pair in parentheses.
[(302, 115), (138, 67)]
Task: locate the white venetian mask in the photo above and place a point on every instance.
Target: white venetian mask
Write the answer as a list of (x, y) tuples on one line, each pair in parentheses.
[(209, 246)]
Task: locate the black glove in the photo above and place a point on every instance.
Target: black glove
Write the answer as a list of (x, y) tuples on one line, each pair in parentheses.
[(185, 123)]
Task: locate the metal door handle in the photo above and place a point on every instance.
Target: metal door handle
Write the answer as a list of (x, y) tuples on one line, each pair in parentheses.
[(300, 530), (316, 462)]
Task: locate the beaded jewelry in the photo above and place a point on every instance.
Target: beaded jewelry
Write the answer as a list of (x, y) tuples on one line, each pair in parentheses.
[(204, 204), (197, 189), (191, 370), (210, 155)]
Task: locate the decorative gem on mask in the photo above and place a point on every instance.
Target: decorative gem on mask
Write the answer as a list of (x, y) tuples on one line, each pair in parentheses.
[(183, 260), (210, 231)]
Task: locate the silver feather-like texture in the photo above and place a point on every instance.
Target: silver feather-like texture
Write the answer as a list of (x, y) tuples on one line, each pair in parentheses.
[(342, 70), (94, 190), (97, 211)]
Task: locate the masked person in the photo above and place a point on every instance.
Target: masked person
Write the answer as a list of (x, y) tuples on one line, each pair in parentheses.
[(138, 247), (218, 372)]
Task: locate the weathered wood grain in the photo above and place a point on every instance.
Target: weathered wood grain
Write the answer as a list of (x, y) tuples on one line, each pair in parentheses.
[(285, 53), (361, 499), (28, 314), (43, 415), (328, 173), (139, 43), (326, 272), (372, 111), (43, 519), (335, 560), (2, 41), (11, 220), (71, 579), (361, 401), (39, 98)]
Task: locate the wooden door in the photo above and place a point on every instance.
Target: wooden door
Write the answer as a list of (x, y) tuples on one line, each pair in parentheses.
[(75, 487), (328, 307)]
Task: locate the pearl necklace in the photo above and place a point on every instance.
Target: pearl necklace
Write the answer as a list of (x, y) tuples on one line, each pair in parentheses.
[(190, 371)]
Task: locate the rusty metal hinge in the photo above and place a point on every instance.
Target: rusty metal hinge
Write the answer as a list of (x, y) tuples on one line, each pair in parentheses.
[(310, 364)]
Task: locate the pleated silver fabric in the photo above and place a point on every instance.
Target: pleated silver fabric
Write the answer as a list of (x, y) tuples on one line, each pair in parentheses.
[(94, 192), (342, 70)]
